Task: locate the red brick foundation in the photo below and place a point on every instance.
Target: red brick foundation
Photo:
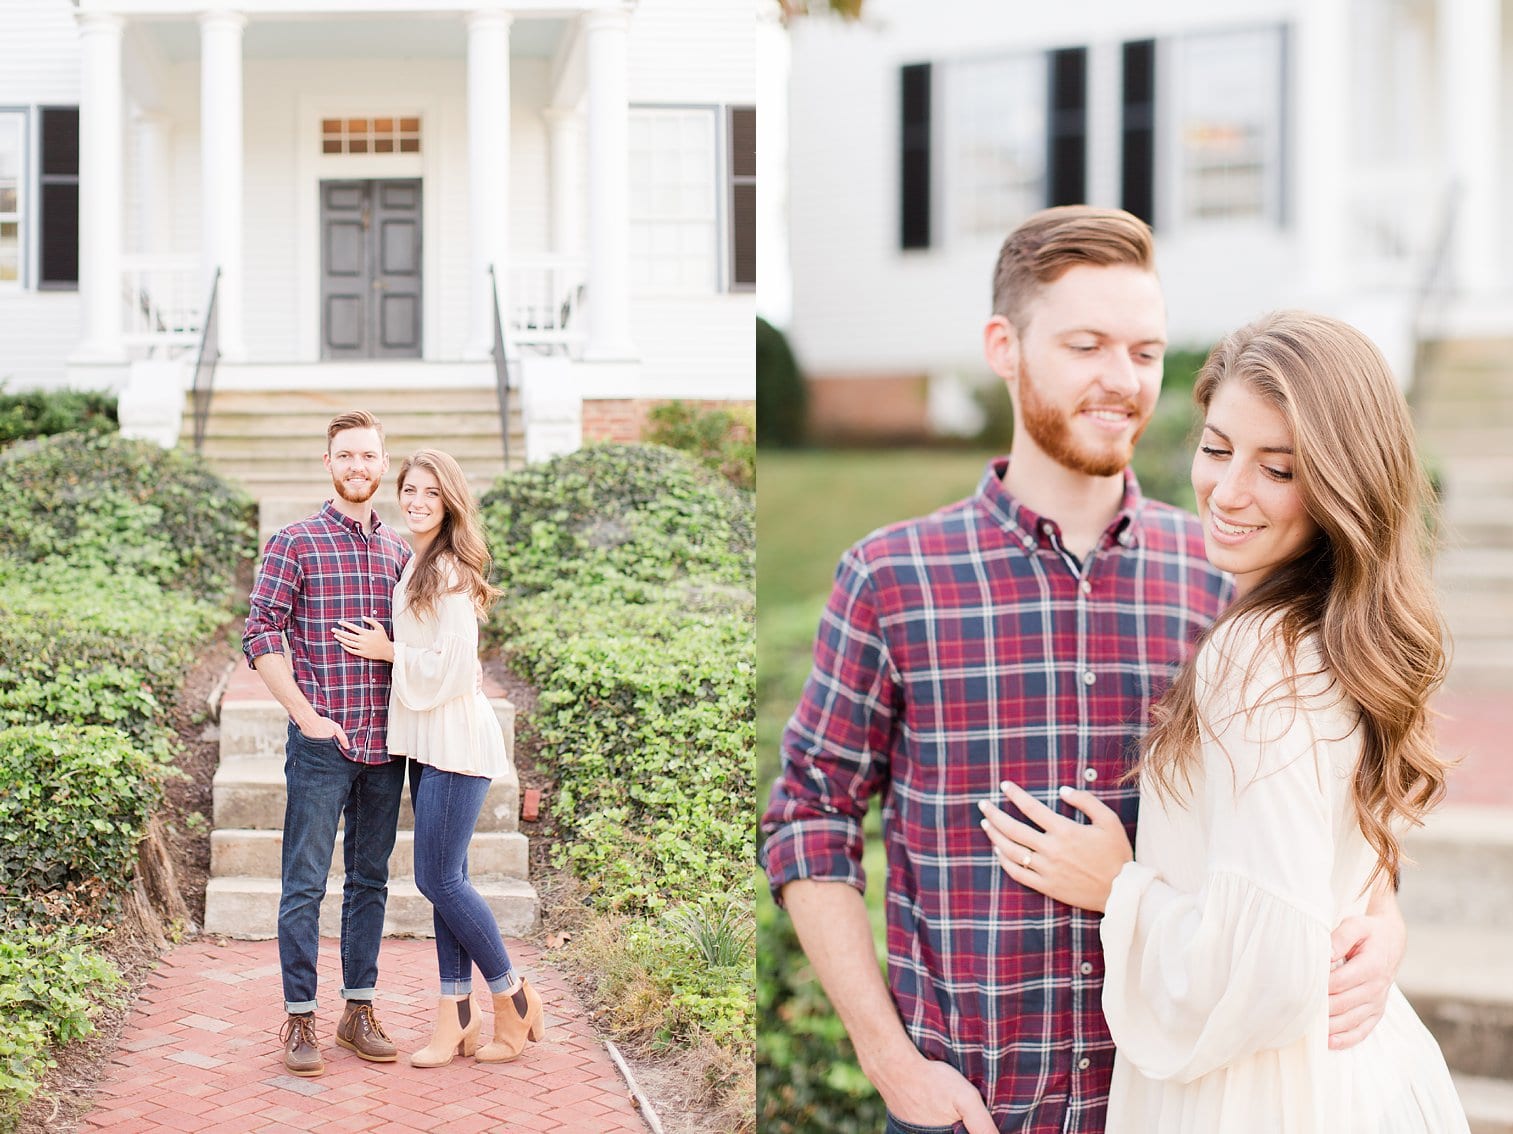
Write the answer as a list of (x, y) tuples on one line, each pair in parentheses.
[(624, 419), (873, 408)]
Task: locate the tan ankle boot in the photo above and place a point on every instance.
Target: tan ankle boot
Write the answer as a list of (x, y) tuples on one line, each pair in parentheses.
[(516, 1016), (451, 1038)]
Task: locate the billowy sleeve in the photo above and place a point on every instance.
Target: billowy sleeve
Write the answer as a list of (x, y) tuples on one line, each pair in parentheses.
[(433, 672), (1195, 981)]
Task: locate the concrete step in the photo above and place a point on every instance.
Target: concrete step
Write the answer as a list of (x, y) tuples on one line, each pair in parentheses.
[(247, 908), (249, 793), (1482, 664), (275, 420), (258, 727), (256, 854), (1475, 570), (384, 402), (1488, 1103), (304, 454), (1460, 982), (1461, 872)]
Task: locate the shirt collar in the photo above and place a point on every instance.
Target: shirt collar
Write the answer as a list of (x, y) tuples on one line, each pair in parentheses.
[(329, 513), (1029, 527)]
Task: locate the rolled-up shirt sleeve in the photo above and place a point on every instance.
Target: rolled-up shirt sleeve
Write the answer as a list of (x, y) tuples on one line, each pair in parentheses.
[(837, 744), (279, 579)]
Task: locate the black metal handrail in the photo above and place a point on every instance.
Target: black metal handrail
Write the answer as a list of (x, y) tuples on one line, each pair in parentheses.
[(501, 370), (204, 365), (1434, 286)]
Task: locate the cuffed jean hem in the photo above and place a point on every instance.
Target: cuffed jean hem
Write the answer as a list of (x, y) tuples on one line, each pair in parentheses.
[(457, 988), (358, 994), (507, 981), (292, 1007)]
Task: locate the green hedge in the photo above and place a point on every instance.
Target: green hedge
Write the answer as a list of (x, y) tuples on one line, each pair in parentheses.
[(721, 440), (40, 414), (128, 506)]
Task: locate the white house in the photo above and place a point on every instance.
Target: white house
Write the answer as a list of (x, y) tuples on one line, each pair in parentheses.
[(350, 171), (1346, 155)]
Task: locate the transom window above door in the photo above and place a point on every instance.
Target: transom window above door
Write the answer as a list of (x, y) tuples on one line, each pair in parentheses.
[(391, 135)]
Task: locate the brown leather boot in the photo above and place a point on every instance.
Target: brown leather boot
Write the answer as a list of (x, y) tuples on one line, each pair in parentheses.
[(450, 1037), (301, 1048), (361, 1032), (517, 1015)]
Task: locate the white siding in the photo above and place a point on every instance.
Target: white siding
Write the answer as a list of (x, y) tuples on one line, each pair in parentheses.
[(693, 51), (39, 53), (37, 329), (697, 348)]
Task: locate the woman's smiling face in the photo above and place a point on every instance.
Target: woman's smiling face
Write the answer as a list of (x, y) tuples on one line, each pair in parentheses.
[(1253, 516)]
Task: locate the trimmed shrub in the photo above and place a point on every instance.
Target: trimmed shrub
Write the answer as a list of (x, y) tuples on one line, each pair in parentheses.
[(127, 506), (76, 804), (782, 398), (39, 413), (50, 984), (641, 512), (721, 440)]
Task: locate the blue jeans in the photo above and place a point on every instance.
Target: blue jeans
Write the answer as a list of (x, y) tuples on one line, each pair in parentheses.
[(323, 786), (899, 1126), (446, 809)]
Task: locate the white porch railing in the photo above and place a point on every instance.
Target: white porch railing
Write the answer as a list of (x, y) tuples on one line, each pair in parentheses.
[(1393, 219), (546, 297), (164, 298)]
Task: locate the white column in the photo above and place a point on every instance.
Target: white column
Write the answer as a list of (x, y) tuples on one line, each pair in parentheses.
[(488, 169), (608, 187), (1319, 190), (565, 164), (153, 182), (221, 169), (1470, 38), (101, 180)]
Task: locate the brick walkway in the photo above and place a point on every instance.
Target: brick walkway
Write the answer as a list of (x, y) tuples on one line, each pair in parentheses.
[(201, 1054), (1478, 729)]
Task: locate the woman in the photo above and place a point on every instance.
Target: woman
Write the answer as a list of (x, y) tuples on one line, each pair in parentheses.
[(1281, 767), (440, 719)]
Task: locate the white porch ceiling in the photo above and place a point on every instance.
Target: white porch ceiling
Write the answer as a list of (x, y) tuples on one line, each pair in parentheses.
[(421, 36)]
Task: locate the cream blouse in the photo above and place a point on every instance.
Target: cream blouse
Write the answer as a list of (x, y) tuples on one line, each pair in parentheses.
[(1216, 938), (437, 713)]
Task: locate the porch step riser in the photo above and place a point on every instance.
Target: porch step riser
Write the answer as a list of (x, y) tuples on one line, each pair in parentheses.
[(303, 456), (1488, 1103), (247, 909), (384, 403), (440, 422), (1477, 1038), (1459, 979), (492, 855), (1462, 871), (258, 729), (250, 799)]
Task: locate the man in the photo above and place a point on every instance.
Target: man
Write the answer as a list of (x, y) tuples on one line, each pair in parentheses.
[(340, 564), (1021, 634)]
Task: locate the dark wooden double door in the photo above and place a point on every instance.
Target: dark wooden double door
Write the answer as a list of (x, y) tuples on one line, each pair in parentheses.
[(370, 281)]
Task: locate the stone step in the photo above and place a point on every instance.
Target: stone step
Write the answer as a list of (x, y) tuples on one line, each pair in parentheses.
[(258, 726), (1488, 1103), (249, 793), (1481, 664), (247, 908), (1475, 570), (276, 422), (1460, 982), (1461, 872), (304, 453), (256, 854), (384, 402)]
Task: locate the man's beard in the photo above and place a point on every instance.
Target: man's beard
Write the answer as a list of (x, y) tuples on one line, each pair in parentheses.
[(1051, 429), (350, 496)]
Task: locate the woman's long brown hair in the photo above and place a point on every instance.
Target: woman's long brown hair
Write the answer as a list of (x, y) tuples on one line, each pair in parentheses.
[(1363, 588), (459, 541)]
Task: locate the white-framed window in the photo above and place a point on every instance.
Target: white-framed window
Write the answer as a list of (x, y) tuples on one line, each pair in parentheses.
[(674, 203), (12, 195), (994, 127), (1227, 126)]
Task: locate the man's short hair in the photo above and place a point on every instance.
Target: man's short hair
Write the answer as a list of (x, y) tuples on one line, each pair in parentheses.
[(353, 419), (1045, 246)]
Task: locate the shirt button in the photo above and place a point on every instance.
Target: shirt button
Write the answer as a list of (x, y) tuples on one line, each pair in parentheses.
[(1045, 527), (1084, 1063), (1087, 968), (1090, 774), (1087, 587), (1089, 677)]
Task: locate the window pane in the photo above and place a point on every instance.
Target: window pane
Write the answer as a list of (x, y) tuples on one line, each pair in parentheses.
[(10, 251), (1229, 123), (997, 127), (673, 201)]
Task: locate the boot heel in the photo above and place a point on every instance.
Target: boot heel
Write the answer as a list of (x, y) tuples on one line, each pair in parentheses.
[(468, 1045), (538, 1029)]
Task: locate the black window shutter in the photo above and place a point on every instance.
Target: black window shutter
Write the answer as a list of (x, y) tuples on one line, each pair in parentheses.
[(743, 197), (1138, 173), (1066, 139), (58, 213), (914, 158)]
